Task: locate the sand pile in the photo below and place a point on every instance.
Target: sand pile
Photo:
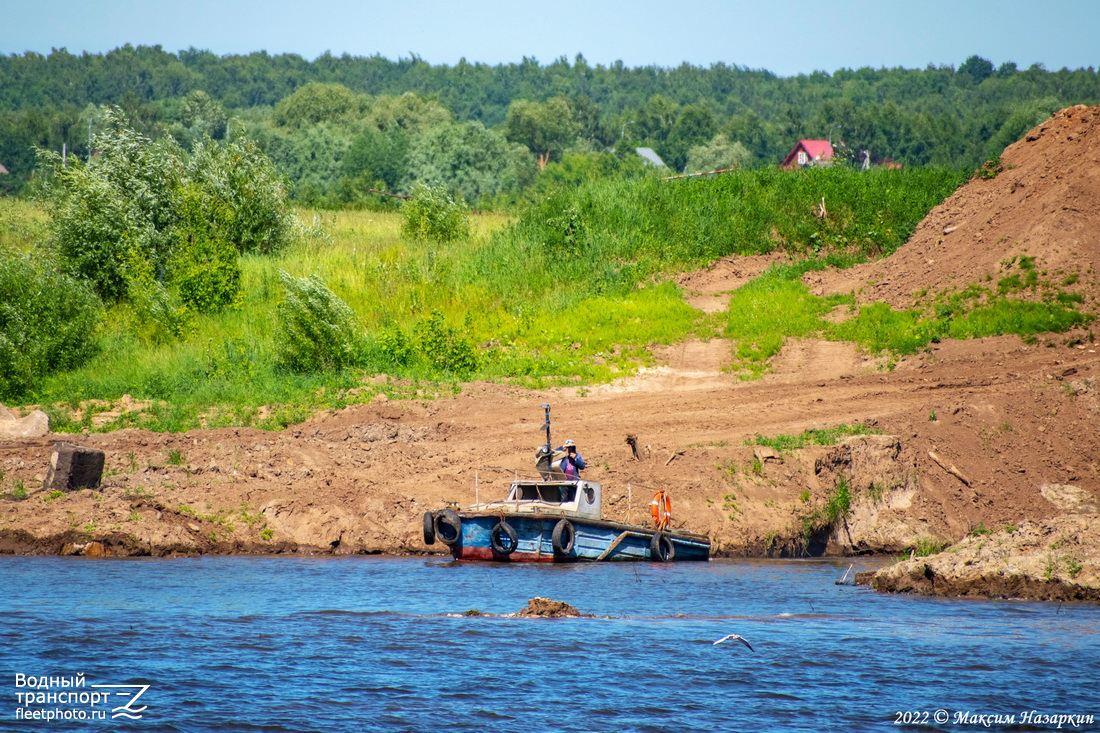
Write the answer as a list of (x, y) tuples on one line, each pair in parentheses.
[(1043, 202)]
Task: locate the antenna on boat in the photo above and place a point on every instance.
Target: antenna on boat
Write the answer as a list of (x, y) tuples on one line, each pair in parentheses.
[(548, 448)]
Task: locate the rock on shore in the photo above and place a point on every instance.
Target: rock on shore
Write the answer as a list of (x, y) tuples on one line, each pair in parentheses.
[(1053, 559)]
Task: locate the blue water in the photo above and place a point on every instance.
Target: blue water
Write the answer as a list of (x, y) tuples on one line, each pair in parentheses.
[(367, 644)]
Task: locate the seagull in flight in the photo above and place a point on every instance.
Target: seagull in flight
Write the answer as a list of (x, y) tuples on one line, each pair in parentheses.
[(737, 637)]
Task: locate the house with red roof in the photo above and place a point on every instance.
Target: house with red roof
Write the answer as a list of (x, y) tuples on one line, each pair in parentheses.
[(808, 152)]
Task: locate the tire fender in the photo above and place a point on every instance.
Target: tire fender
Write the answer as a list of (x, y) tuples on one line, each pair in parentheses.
[(661, 548), (429, 528), (563, 537), (501, 530), (448, 527)]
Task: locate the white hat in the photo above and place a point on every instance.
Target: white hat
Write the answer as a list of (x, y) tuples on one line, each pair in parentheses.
[(569, 442)]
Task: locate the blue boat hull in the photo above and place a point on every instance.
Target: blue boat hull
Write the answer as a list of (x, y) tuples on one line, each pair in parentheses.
[(594, 540)]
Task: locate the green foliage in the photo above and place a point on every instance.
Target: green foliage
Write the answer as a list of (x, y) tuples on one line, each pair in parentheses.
[(468, 159), (692, 221), (396, 347), (316, 331), (48, 323), (879, 328), (823, 436), (767, 311), (547, 128), (143, 214), (430, 214), (990, 169), (720, 153), (378, 155), (839, 503), (407, 113), (936, 115), (318, 102), (444, 347), (240, 177), (927, 545), (1015, 317), (204, 266), (200, 116), (112, 218)]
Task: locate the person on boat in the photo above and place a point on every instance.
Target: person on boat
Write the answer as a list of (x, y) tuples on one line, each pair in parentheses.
[(571, 464)]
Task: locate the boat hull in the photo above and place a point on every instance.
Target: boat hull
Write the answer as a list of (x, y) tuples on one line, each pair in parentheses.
[(594, 540)]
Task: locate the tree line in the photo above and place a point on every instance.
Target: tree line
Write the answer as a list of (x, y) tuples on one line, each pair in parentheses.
[(340, 125)]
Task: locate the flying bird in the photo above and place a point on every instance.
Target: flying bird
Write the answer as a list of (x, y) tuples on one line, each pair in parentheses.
[(739, 638)]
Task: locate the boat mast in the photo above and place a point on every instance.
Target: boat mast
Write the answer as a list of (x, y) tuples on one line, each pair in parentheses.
[(548, 449)]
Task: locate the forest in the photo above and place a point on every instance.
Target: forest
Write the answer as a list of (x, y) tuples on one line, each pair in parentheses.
[(338, 126)]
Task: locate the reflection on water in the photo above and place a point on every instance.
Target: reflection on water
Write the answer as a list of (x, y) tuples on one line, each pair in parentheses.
[(292, 644)]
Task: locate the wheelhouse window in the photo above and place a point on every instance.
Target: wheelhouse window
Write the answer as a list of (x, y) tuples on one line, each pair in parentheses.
[(557, 493)]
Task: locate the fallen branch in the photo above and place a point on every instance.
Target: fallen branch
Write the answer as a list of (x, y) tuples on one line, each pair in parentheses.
[(673, 456), (391, 195), (949, 468)]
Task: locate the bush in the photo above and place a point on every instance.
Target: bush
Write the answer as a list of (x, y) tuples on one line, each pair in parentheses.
[(316, 330), (443, 346), (432, 214), (205, 268), (240, 177), (47, 323), (112, 217), (142, 212)]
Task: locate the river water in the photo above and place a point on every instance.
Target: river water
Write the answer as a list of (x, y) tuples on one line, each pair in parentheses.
[(380, 644)]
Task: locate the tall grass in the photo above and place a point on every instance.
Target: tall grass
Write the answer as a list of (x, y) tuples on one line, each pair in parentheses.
[(569, 291)]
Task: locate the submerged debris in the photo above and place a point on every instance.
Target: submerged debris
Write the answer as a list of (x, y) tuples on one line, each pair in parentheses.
[(546, 608)]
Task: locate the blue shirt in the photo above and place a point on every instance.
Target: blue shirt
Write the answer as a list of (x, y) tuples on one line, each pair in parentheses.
[(572, 465)]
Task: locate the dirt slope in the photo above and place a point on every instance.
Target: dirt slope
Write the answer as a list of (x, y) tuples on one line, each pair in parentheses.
[(1044, 203)]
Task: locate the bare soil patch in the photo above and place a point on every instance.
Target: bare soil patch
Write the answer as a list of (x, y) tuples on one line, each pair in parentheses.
[(1043, 203)]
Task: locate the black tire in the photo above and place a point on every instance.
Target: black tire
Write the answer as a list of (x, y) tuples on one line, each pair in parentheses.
[(448, 527), (501, 531), (429, 528), (563, 537), (661, 548)]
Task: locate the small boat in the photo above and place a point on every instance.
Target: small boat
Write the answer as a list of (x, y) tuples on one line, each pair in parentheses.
[(552, 518)]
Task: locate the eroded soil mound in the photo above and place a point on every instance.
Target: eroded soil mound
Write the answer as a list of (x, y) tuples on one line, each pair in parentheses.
[(546, 608), (1041, 202), (1053, 559)]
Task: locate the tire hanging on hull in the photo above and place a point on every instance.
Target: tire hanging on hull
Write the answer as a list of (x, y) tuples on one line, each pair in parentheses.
[(448, 527), (563, 537), (503, 539), (429, 528), (661, 548)]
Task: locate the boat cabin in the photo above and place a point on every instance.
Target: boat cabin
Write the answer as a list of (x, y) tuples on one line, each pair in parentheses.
[(567, 498)]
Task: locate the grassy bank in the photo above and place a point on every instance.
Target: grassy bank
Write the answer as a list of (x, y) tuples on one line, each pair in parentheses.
[(569, 291), (776, 306)]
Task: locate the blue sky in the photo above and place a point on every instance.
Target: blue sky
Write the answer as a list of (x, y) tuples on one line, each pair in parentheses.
[(784, 36)]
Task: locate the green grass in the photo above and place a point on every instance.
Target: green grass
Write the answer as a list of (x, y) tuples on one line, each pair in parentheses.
[(823, 436), (927, 545), (767, 311), (776, 306)]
